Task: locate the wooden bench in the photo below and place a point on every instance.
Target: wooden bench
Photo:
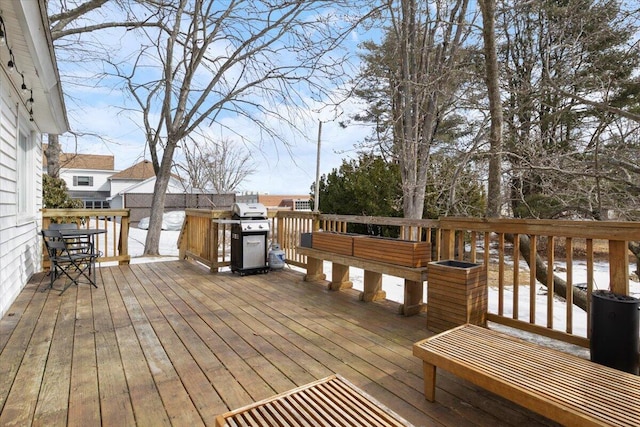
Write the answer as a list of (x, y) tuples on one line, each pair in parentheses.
[(331, 401), (560, 386), (373, 271)]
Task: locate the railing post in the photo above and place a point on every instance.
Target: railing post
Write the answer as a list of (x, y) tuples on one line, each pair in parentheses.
[(281, 232), (618, 267), (183, 239), (214, 229), (124, 239), (448, 247)]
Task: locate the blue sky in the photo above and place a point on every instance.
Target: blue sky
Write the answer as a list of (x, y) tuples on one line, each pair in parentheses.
[(279, 170)]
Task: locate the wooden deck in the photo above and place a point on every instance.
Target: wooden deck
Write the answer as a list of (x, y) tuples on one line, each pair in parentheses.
[(171, 344)]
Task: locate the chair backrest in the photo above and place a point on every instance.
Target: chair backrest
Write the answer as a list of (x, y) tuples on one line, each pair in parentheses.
[(53, 241), (63, 226), (50, 234)]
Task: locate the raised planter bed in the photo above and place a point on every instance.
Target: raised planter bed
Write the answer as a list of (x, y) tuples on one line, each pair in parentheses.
[(339, 243), (393, 251), (456, 294)]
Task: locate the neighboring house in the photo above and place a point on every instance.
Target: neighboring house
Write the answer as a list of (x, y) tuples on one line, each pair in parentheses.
[(26, 58), (127, 178), (87, 177), (293, 202), (138, 179)]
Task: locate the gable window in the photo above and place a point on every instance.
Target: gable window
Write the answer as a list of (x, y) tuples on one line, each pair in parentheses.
[(83, 181), (25, 176)]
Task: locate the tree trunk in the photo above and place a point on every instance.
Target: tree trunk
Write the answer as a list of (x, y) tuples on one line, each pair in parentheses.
[(53, 156), (163, 174), (494, 196)]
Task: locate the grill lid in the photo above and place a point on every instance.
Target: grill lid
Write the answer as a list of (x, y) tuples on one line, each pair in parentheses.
[(249, 211)]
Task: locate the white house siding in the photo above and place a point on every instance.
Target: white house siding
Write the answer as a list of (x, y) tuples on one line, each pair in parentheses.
[(20, 254), (119, 185), (100, 179)]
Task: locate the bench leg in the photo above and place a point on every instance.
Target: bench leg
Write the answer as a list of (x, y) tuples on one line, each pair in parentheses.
[(429, 372), (340, 277), (413, 297), (314, 270), (372, 287)]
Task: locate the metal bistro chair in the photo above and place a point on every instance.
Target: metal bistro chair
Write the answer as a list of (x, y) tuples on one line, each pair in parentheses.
[(73, 258), (80, 243)]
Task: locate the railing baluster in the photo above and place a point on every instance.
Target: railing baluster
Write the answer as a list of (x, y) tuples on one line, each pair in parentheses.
[(487, 247), (550, 285), (516, 276), (501, 274), (589, 283), (533, 252), (473, 252), (569, 292)]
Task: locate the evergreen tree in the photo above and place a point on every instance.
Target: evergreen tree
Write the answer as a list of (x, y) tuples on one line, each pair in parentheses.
[(565, 154), (371, 186), (55, 194)]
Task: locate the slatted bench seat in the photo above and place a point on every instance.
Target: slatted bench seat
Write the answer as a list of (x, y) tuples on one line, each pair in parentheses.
[(332, 401), (373, 271), (560, 386)]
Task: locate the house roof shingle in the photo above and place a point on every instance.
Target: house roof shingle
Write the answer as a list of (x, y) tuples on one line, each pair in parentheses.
[(83, 161), (141, 171)]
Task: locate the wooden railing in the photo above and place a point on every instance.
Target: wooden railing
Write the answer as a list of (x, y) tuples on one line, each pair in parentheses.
[(496, 243), (289, 226), (206, 236), (114, 245), (550, 243)]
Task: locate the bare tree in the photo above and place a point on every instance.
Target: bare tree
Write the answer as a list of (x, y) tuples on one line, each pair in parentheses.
[(70, 20), (209, 60), (570, 91), (218, 165), (429, 44), (492, 78)]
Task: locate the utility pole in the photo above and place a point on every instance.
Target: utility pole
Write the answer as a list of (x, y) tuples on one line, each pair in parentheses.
[(316, 197)]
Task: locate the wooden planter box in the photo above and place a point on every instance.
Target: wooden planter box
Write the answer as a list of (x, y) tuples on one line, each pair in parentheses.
[(456, 294), (339, 243), (394, 251)]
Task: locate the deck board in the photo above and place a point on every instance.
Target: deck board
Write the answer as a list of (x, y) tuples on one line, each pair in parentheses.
[(169, 343)]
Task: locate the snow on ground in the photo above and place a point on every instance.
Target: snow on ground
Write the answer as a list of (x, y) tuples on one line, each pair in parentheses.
[(168, 243)]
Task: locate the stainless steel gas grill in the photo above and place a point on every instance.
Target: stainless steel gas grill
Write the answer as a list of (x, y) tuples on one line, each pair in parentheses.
[(249, 233)]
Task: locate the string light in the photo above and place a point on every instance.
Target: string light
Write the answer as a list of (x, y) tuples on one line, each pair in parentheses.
[(12, 66), (3, 40), (24, 86)]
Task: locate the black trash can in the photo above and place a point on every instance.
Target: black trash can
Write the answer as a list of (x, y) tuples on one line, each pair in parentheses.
[(614, 330)]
